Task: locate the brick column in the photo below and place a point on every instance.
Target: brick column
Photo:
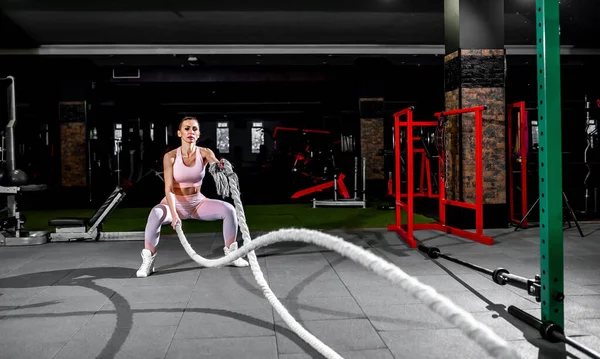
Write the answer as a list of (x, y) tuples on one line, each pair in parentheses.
[(371, 137), (474, 75), (474, 78), (73, 144), (72, 132)]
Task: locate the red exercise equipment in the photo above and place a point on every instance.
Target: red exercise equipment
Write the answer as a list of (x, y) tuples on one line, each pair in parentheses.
[(302, 159), (405, 231), (323, 186)]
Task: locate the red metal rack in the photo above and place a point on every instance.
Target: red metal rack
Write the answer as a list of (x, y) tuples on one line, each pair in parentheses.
[(406, 231)]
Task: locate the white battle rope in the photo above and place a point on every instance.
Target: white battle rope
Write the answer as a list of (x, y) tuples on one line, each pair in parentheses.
[(226, 182)]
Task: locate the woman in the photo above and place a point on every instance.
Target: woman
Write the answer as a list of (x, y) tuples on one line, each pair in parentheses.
[(184, 171)]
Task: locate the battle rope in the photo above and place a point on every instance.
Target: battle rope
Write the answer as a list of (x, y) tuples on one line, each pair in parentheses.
[(226, 183)]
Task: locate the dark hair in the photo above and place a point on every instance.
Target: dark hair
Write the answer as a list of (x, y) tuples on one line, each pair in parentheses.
[(187, 118)]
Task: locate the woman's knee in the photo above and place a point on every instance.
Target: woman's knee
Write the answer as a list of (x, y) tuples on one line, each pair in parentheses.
[(228, 213), (229, 209), (158, 215)]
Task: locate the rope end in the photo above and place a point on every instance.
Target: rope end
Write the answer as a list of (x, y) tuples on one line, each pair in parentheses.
[(222, 176)]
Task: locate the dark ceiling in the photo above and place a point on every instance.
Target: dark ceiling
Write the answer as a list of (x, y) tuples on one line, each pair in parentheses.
[(272, 21), (35, 23)]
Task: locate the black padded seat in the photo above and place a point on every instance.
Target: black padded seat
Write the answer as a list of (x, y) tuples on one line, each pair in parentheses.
[(69, 222)]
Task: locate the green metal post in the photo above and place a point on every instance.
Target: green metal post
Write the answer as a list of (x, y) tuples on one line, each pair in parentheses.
[(550, 160)]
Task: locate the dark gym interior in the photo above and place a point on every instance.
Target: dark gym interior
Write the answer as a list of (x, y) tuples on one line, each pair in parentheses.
[(375, 239), (244, 97)]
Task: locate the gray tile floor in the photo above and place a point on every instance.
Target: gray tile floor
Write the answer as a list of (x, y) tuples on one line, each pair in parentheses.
[(82, 300)]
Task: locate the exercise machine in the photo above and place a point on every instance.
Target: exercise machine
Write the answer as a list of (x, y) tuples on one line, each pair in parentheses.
[(319, 167), (117, 149), (591, 134), (80, 228), (356, 201), (406, 232), (310, 153), (12, 226)]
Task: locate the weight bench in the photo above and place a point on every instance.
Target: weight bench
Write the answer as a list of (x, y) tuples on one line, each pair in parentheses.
[(77, 228)]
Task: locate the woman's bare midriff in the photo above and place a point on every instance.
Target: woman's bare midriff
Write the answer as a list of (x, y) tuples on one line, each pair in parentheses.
[(185, 191)]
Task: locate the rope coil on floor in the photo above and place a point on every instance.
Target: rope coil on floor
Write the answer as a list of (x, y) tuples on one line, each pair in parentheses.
[(227, 183)]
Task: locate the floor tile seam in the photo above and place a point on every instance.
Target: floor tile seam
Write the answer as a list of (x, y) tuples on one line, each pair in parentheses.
[(52, 285), (571, 319), (218, 338), (185, 306), (421, 329), (314, 296), (584, 295), (540, 338), (187, 302), (324, 320), (358, 303), (21, 265), (226, 337), (337, 350), (83, 326), (327, 320), (273, 310), (288, 298)]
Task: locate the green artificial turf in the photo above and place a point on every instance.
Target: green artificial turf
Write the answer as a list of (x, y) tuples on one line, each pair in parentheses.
[(259, 218)]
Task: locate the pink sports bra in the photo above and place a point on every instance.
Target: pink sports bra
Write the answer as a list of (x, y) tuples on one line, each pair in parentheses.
[(185, 176)]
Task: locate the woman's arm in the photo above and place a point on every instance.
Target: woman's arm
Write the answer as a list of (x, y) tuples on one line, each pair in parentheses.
[(169, 194), (210, 157)]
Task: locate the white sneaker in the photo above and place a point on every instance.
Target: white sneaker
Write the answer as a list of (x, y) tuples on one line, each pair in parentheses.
[(147, 266), (238, 262)]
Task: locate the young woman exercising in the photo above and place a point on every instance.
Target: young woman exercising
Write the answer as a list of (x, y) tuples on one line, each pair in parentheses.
[(184, 170)]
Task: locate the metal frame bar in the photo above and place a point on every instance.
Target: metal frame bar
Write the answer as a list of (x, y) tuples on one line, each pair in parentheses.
[(550, 161), (278, 49), (478, 236), (406, 232)]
